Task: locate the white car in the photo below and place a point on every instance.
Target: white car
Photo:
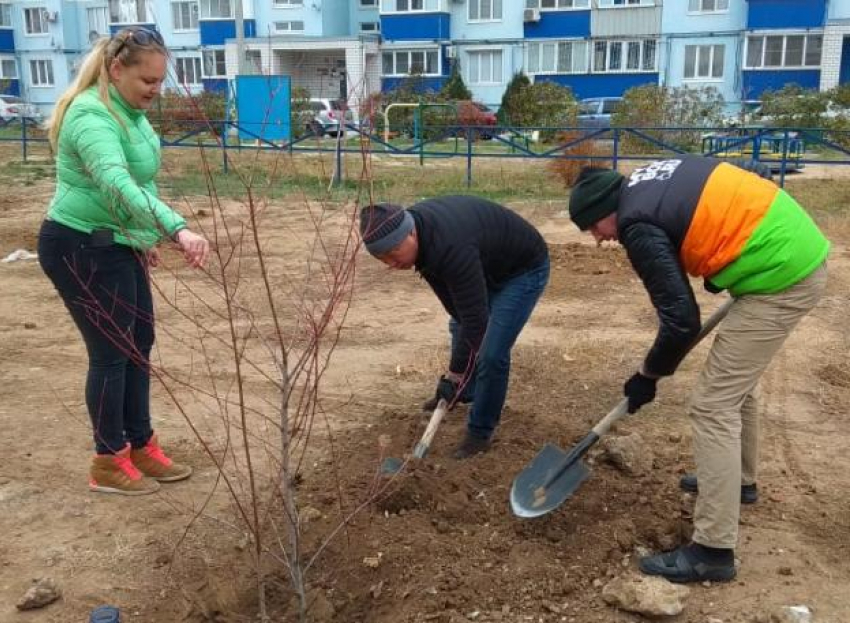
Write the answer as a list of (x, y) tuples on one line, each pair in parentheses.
[(326, 116), (13, 107)]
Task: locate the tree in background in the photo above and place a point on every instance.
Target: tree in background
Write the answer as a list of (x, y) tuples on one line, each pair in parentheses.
[(455, 88), (652, 106), (515, 108)]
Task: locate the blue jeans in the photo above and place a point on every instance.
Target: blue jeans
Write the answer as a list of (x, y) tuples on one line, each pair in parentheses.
[(106, 289), (510, 307)]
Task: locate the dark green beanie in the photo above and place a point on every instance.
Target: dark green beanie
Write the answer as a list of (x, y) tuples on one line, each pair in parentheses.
[(594, 196)]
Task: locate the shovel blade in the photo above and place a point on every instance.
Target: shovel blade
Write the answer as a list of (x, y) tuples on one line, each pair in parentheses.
[(532, 497)]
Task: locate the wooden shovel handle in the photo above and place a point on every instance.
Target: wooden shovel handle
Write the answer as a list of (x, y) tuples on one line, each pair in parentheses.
[(422, 446), (623, 406)]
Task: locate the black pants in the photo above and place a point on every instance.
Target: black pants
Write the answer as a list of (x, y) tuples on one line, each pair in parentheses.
[(105, 286)]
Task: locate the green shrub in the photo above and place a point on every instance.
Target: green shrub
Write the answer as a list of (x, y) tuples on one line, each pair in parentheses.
[(795, 107), (659, 107), (300, 112), (174, 111), (455, 88), (515, 108), (553, 106)]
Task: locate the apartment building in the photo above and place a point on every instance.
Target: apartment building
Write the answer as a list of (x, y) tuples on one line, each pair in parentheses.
[(350, 48)]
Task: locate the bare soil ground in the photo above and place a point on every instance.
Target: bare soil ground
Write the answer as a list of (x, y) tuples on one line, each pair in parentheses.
[(439, 543)]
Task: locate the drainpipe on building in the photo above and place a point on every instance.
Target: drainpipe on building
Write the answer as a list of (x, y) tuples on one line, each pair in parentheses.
[(240, 39)]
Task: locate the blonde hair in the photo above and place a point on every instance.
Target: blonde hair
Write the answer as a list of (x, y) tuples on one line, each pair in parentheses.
[(95, 71)]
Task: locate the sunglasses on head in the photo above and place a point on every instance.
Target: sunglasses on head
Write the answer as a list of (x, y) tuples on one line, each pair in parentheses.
[(142, 37)]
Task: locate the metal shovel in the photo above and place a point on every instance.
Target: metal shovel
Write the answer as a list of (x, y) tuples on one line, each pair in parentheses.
[(392, 465), (554, 475)]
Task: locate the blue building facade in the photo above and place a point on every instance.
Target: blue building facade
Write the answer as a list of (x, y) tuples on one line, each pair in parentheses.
[(783, 45), (10, 82), (349, 48)]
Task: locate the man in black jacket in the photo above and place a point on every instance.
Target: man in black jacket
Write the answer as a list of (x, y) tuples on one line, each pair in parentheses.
[(488, 266)]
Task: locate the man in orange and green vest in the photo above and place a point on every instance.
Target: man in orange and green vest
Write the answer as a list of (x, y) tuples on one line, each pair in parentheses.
[(740, 232)]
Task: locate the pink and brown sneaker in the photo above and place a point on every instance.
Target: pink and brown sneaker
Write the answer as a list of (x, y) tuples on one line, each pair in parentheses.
[(153, 463), (115, 473)]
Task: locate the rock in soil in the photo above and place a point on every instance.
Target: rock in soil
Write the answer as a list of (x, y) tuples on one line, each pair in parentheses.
[(628, 453), (45, 591), (650, 596)]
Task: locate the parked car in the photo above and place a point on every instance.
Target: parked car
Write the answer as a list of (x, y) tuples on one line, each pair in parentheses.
[(326, 115), (13, 107), (595, 112)]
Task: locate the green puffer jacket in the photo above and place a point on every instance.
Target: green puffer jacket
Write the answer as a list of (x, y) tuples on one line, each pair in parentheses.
[(105, 173)]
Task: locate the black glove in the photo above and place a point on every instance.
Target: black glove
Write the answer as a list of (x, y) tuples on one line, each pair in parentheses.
[(446, 389), (640, 390)]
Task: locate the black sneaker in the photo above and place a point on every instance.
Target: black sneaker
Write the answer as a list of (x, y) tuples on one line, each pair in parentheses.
[(470, 446), (749, 493), (684, 565)]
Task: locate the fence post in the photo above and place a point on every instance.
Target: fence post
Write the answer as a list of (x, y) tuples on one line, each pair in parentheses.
[(225, 129), (418, 133), (757, 146), (337, 174), (469, 159), (784, 164), (24, 136), (615, 160)]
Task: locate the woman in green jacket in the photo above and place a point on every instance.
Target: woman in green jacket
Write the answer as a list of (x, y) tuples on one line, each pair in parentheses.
[(100, 237)]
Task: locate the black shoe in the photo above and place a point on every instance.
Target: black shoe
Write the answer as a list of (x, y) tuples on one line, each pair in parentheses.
[(749, 493), (470, 446), (683, 565), (431, 404)]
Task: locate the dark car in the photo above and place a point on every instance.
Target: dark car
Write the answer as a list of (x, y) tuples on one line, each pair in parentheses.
[(595, 112)]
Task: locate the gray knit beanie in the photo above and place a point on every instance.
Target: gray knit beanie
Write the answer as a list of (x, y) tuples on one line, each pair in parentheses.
[(383, 226)]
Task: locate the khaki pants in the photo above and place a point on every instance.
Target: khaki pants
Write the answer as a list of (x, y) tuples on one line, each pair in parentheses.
[(724, 404)]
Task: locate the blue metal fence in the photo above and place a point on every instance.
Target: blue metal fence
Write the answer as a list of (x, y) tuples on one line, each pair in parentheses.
[(784, 149)]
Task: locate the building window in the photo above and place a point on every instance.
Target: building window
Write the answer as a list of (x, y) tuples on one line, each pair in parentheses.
[(293, 26), (557, 57), (188, 69), (214, 62), (704, 62), (485, 67), (288, 3), (783, 51), (41, 73), (129, 12), (5, 15), (253, 62), (557, 4), (97, 19), (368, 4), (34, 22), (216, 9), (406, 62), (8, 68), (708, 6), (624, 56), (370, 26), (185, 15), (625, 3), (403, 6), (485, 10)]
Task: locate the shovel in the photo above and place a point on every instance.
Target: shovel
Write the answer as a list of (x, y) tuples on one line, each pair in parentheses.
[(554, 475), (392, 465)]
